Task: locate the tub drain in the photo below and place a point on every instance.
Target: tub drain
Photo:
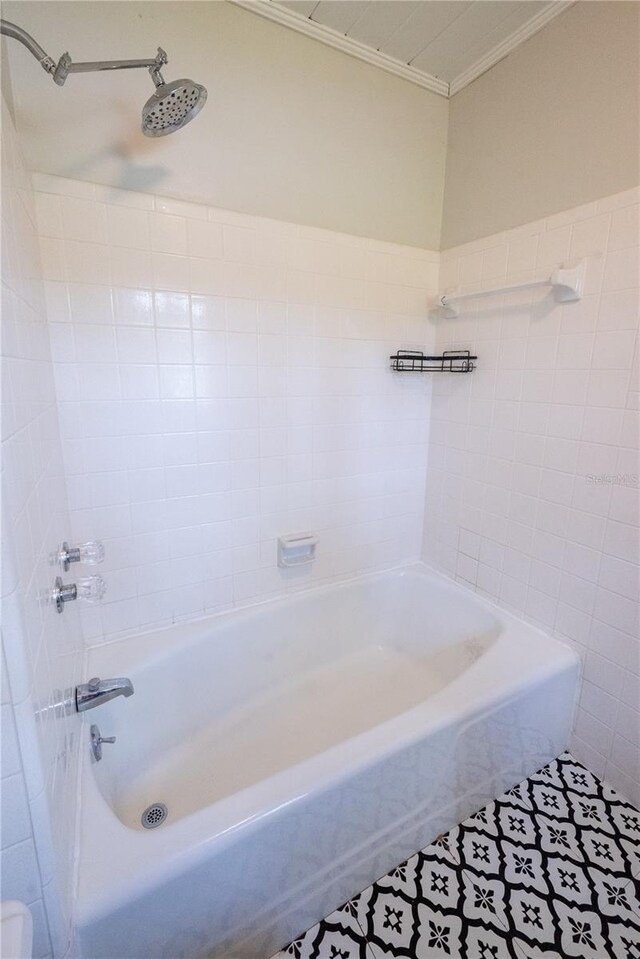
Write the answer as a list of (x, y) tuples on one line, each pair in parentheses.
[(154, 815)]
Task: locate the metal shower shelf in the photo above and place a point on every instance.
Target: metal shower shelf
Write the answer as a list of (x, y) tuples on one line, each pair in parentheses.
[(566, 282), (451, 361)]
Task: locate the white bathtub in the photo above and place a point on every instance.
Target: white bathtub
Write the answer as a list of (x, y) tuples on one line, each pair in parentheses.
[(302, 748)]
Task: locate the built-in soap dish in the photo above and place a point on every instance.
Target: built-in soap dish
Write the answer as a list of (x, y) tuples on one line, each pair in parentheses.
[(297, 549)]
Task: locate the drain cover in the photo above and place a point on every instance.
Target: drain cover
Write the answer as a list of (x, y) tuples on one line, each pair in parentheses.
[(154, 815)]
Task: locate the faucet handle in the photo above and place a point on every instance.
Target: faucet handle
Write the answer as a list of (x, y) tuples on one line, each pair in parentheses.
[(91, 553), (96, 742), (91, 588), (94, 684)]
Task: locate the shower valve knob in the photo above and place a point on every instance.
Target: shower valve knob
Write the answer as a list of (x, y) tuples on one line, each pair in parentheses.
[(97, 740), (90, 553), (91, 589)]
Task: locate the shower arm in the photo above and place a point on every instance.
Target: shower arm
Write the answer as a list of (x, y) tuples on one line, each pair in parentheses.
[(65, 65)]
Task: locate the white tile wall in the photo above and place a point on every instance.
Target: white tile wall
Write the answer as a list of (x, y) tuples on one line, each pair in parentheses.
[(223, 379), (42, 651), (533, 491)]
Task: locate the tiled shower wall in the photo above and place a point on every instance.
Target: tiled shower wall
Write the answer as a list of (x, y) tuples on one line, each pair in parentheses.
[(223, 379), (42, 651), (533, 491)]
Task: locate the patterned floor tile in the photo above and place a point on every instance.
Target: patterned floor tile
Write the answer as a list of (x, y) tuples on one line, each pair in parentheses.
[(549, 870), (433, 909), (483, 901), (588, 870), (339, 936), (446, 846)]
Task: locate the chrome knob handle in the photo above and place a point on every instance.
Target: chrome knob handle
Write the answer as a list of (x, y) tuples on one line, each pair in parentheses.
[(96, 742), (91, 590), (63, 593), (94, 684), (90, 553)]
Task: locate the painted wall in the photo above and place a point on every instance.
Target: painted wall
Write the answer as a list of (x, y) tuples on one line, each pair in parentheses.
[(555, 125), (532, 490), (42, 651), (292, 129), (223, 379)]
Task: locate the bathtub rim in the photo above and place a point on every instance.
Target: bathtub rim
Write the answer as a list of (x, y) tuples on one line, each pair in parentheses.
[(196, 627), (193, 838)]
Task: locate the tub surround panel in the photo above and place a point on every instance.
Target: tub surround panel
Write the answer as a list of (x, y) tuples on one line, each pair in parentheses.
[(42, 652), (532, 489), (222, 380)]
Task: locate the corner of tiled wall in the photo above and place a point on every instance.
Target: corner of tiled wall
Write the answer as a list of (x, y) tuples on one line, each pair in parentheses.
[(533, 490)]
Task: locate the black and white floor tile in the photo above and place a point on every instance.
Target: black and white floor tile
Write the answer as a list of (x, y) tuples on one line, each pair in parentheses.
[(550, 870)]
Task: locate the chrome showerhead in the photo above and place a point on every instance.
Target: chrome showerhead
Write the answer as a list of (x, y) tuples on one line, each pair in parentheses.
[(172, 106)]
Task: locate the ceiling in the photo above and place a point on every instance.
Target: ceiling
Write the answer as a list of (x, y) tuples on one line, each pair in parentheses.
[(439, 44)]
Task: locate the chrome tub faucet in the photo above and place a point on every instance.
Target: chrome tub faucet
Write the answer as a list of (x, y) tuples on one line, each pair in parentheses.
[(97, 691)]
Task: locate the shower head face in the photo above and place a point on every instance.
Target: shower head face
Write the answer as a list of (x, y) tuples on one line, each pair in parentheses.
[(171, 107)]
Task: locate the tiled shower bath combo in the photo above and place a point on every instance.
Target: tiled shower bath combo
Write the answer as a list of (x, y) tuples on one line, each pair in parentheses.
[(320, 498)]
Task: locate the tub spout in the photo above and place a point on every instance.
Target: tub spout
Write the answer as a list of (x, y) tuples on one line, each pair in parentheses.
[(98, 691)]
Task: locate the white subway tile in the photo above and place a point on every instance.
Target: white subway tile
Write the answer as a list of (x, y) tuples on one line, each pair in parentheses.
[(90, 304), (208, 312), (599, 703), (625, 228), (131, 268), (619, 311), (128, 227), (133, 307), (94, 344), (173, 207), (593, 731), (614, 351), (621, 270), (204, 239), (620, 576), (83, 220), (607, 388), (48, 215), (62, 186), (573, 215), (168, 233), (575, 351), (589, 237), (174, 346), (113, 196), (625, 784), (170, 272), (20, 876), (622, 540), (628, 723)]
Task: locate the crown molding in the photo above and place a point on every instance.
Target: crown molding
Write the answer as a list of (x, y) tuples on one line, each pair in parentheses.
[(502, 49), (271, 10)]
